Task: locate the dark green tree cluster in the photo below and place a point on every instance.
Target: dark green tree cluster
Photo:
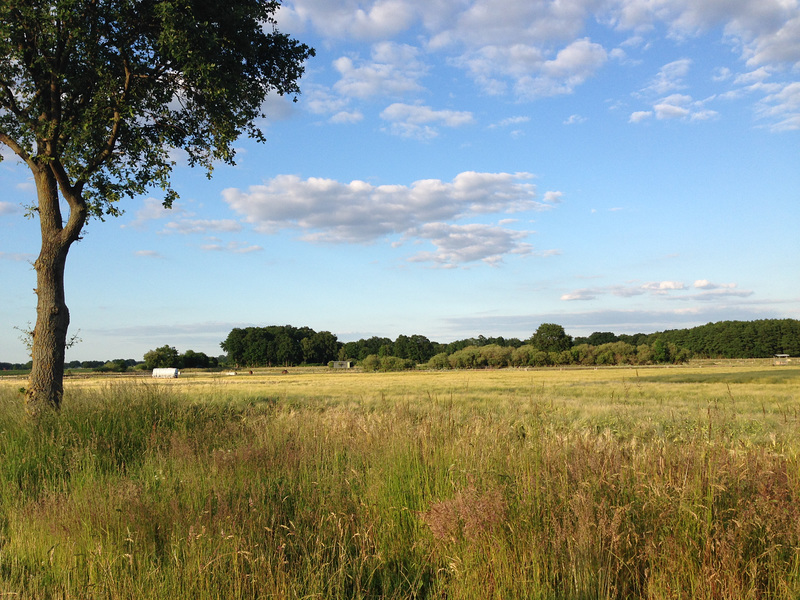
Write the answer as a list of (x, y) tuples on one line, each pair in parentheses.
[(167, 357), (737, 339), (6, 366), (280, 345), (417, 348)]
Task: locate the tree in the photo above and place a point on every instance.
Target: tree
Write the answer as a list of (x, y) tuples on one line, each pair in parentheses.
[(550, 337), (94, 94), (163, 357)]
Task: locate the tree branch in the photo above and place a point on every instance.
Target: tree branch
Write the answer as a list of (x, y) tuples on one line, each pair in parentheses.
[(16, 148)]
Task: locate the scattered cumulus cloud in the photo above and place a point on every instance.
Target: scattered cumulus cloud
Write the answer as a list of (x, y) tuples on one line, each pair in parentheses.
[(152, 210), (511, 121), (17, 257), (349, 19), (194, 226), (781, 107), (640, 115), (669, 78), (535, 50), (233, 247), (347, 117), (329, 211), (9, 208), (458, 244), (677, 290), (553, 197), (575, 120), (393, 70), (419, 121)]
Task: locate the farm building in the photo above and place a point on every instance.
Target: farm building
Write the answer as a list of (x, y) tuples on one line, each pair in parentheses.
[(781, 359), (341, 364), (166, 373)]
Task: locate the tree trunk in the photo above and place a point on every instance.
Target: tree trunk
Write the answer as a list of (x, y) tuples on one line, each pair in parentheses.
[(46, 386)]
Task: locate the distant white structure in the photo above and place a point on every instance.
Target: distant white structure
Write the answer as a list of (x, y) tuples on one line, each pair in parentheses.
[(781, 359), (342, 364), (166, 373)]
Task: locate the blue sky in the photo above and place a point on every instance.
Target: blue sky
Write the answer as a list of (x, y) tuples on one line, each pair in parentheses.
[(464, 167)]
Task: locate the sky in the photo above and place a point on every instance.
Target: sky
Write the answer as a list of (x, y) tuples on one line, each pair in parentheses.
[(456, 168)]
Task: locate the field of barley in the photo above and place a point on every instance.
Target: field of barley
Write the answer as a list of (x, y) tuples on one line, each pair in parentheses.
[(624, 483)]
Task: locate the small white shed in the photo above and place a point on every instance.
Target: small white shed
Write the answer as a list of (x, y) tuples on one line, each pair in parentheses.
[(166, 373), (781, 359)]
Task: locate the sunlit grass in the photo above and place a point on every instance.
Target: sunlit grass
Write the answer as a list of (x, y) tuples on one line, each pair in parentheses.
[(606, 483)]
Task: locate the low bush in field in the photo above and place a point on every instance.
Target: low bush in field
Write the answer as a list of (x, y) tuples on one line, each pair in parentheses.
[(143, 491)]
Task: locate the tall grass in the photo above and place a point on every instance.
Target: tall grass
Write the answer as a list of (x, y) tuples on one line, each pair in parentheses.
[(376, 486)]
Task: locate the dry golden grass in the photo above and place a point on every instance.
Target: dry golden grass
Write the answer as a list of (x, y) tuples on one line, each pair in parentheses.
[(658, 483)]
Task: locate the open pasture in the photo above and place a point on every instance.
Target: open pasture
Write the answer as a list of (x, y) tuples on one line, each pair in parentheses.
[(576, 483)]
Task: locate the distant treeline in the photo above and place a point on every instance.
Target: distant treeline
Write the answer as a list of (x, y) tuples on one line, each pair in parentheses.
[(549, 345), (117, 364), (285, 345)]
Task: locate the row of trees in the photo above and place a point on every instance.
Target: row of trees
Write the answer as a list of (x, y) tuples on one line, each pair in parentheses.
[(528, 355), (548, 345)]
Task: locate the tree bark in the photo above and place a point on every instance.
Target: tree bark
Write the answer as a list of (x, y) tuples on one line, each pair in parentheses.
[(45, 385)]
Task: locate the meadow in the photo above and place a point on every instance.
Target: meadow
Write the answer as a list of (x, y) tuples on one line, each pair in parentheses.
[(658, 483)]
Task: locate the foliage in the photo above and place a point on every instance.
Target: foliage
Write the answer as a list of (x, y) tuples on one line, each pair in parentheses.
[(550, 337), (105, 90), (168, 357), (738, 339), (165, 357), (386, 364), (280, 345)]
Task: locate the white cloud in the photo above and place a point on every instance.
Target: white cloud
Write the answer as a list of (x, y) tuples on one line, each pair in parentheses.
[(186, 226), (511, 121), (148, 254), (582, 294), (418, 121), (575, 120), (394, 70), (554, 197), (669, 78), (675, 106), (325, 210), (152, 209), (346, 117), (9, 208), (348, 19), (705, 284), (457, 244), (233, 247), (757, 76), (782, 107), (570, 68), (662, 286), (16, 256), (766, 31), (384, 18), (671, 290)]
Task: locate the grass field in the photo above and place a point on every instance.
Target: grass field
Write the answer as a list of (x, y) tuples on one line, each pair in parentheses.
[(575, 484)]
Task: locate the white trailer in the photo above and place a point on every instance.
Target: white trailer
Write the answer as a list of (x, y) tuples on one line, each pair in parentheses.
[(166, 373)]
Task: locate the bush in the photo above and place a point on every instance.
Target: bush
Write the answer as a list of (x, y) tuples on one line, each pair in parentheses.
[(374, 362)]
